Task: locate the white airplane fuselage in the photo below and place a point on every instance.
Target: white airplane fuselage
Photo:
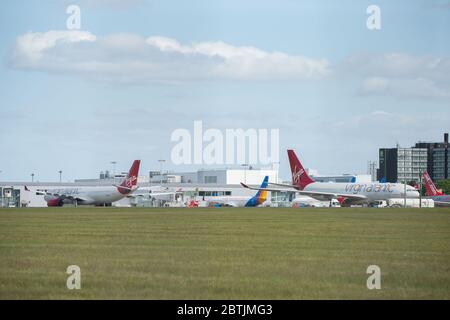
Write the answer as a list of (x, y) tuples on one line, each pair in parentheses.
[(372, 191), (86, 195)]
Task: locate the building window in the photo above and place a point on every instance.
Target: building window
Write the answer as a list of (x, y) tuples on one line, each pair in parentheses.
[(210, 179), (214, 193)]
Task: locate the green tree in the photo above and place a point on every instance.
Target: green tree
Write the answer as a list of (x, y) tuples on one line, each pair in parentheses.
[(444, 185)]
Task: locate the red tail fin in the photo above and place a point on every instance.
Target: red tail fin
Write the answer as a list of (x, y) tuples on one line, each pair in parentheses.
[(131, 179), (299, 176), (430, 187)]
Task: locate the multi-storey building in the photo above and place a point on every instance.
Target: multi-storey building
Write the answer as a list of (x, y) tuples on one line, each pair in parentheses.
[(438, 158)]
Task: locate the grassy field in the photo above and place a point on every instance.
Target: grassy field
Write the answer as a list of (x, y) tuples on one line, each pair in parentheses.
[(221, 253)]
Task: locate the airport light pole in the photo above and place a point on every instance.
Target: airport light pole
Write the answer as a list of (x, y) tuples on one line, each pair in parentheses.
[(60, 176), (32, 177), (161, 161)]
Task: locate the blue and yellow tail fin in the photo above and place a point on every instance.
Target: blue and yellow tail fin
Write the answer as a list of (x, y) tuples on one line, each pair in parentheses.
[(261, 195)]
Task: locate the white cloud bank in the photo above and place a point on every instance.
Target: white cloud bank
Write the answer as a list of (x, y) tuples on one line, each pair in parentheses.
[(131, 58), (402, 75)]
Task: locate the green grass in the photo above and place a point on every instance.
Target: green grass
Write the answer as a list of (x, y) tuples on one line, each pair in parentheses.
[(133, 253)]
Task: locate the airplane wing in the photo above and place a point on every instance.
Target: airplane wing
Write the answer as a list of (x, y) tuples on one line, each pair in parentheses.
[(76, 198), (283, 185), (59, 195), (330, 195), (63, 196), (287, 188), (313, 194), (67, 196), (132, 189), (442, 203)]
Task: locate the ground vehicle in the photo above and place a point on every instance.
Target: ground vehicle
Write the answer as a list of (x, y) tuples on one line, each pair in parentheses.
[(400, 203), (334, 203), (307, 202)]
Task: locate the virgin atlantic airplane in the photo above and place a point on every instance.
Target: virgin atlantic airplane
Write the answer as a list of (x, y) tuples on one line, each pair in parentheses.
[(99, 195), (346, 193)]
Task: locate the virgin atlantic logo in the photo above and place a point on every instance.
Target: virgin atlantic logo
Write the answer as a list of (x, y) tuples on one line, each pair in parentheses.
[(296, 176), (129, 182)]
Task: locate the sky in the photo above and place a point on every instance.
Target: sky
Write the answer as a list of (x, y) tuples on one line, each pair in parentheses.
[(137, 70)]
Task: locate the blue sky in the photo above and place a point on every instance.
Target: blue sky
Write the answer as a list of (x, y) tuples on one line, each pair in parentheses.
[(336, 90)]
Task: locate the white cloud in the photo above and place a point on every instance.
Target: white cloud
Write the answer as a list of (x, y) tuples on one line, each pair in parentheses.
[(374, 84), (402, 75), (404, 87), (384, 129), (131, 58), (399, 65), (30, 47)]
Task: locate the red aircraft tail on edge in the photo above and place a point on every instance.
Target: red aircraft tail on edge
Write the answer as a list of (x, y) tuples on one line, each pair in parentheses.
[(430, 187)]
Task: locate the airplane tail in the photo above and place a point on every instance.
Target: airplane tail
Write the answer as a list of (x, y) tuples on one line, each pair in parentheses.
[(130, 181), (430, 186), (300, 177), (261, 195)]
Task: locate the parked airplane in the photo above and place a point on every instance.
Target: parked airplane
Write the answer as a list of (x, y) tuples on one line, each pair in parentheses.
[(98, 195), (440, 199), (346, 193), (242, 201)]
